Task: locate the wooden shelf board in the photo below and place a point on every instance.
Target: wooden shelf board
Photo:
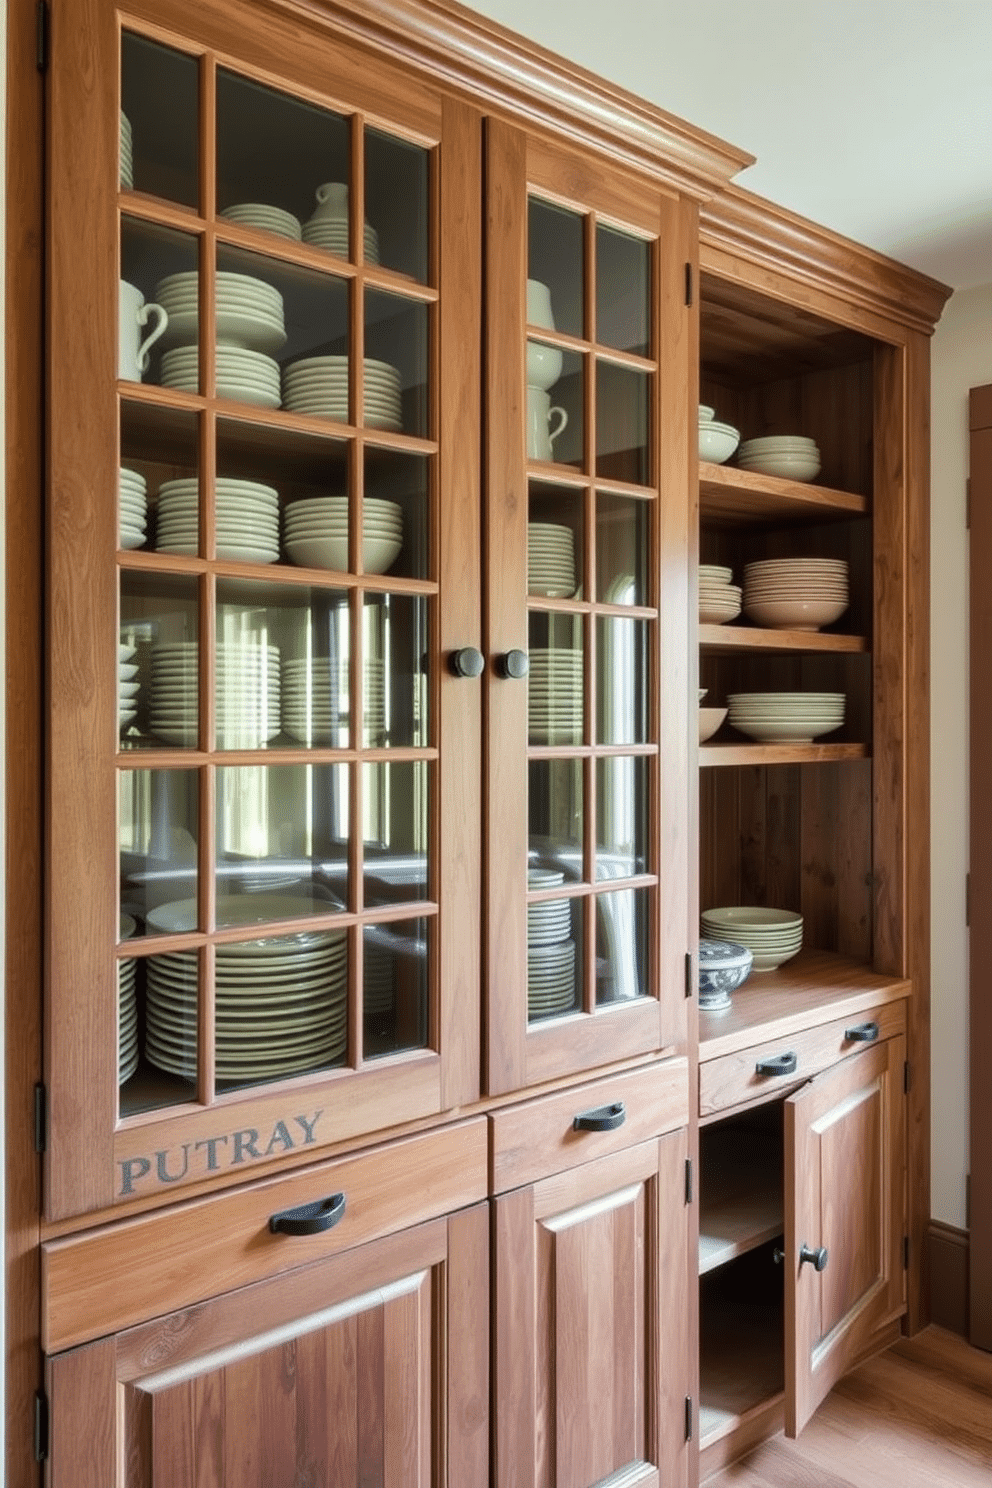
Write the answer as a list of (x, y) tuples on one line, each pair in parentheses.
[(779, 754), (729, 495), (717, 638), (814, 987), (741, 1204), (741, 1367)]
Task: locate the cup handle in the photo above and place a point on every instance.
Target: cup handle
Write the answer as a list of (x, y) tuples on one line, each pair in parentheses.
[(562, 421), (163, 320)]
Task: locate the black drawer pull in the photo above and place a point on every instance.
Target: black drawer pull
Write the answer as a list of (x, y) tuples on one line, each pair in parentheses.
[(309, 1219), (779, 1064), (862, 1033), (601, 1118), (817, 1258)]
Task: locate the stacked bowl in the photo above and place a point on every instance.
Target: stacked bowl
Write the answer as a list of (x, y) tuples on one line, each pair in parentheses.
[(791, 456), (786, 717), (550, 560), (316, 533), (249, 311), (128, 685), (796, 593), (773, 936), (311, 702), (554, 695), (127, 153), (550, 949), (319, 386), (127, 1008), (268, 219), (247, 519), (719, 597), (133, 499), (717, 441), (246, 698), (244, 375)]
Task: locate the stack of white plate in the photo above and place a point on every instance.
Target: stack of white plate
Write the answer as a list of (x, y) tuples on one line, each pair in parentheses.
[(795, 593), (792, 456), (132, 491), (719, 597), (243, 375), (717, 441), (127, 153), (319, 386), (127, 685), (786, 717), (378, 990), (374, 707), (269, 219), (249, 311), (772, 935), (550, 560), (554, 696), (332, 233), (550, 949), (281, 1003), (317, 533), (247, 519), (247, 694), (311, 702), (127, 1009)]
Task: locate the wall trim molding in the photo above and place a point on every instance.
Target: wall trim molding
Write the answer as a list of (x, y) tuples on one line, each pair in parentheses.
[(947, 1258)]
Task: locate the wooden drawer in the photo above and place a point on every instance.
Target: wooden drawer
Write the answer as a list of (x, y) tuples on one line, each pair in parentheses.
[(537, 1138), (733, 1080), (113, 1277)]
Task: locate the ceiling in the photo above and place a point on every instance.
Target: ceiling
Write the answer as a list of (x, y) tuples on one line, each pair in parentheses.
[(872, 117)]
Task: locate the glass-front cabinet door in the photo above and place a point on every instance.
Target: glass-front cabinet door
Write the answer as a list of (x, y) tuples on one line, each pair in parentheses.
[(587, 470), (256, 562)]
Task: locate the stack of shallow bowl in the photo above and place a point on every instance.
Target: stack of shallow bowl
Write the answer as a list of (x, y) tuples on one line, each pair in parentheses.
[(792, 456), (550, 560), (554, 695), (773, 936), (247, 519), (317, 533), (719, 597), (319, 386), (133, 508), (795, 593), (717, 441), (249, 311), (268, 219), (127, 1009), (550, 949), (243, 375), (786, 717), (247, 693), (127, 153), (128, 685)]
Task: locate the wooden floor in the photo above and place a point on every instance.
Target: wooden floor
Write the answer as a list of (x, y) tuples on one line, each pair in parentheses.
[(918, 1416)]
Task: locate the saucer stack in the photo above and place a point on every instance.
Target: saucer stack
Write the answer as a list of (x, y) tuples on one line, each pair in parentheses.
[(127, 1009), (786, 717), (719, 598), (317, 533), (319, 385), (127, 153), (249, 311), (550, 949), (247, 694), (771, 935), (242, 375), (266, 218), (796, 593), (247, 519), (791, 456), (332, 233), (133, 508), (311, 702), (554, 696), (128, 685), (550, 560)]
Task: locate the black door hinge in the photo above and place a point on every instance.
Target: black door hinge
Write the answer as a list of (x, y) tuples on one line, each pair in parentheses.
[(40, 1426), (41, 23), (967, 502), (688, 283), (688, 1180), (40, 1118), (688, 974), (967, 899), (905, 1252), (688, 1418)]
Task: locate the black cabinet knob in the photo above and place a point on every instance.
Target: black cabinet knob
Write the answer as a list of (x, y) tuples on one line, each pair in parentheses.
[(468, 661), (817, 1258), (513, 664)]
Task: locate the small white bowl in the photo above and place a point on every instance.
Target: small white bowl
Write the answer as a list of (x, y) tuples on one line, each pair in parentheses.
[(716, 444), (544, 364), (710, 720), (332, 552), (794, 614), (788, 467)]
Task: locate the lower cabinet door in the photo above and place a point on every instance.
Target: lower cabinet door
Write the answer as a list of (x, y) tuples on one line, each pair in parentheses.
[(591, 1346), (367, 1367)]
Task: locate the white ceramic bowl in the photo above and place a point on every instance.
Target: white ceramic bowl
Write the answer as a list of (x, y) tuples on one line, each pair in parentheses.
[(788, 467), (332, 552), (717, 443), (710, 720), (544, 364), (794, 614)]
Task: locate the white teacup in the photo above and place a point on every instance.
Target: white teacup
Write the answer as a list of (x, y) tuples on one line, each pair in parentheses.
[(332, 202), (540, 435), (132, 352), (539, 305)]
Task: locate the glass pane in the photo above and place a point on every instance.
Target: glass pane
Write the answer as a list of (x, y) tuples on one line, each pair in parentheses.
[(622, 681), (555, 813), (622, 430), (396, 987), (313, 628), (396, 205), (622, 938), (157, 309), (159, 114), (621, 550), (282, 841), (555, 420), (397, 501), (396, 647), (554, 542), (158, 812), (622, 294), (554, 955), (171, 1016), (555, 268), (159, 624), (248, 678), (299, 468), (621, 816), (555, 685), (396, 346), (395, 824), (157, 444), (273, 154)]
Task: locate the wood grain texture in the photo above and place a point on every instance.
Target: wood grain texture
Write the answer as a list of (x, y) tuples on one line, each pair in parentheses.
[(80, 1387), (740, 497)]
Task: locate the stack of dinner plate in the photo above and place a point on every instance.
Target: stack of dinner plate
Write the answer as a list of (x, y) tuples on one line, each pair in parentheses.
[(127, 153), (550, 949), (268, 219), (311, 702), (378, 981), (319, 386), (247, 693), (132, 494), (249, 311), (317, 533), (719, 596), (786, 717), (243, 375), (128, 685), (554, 695), (281, 1001), (127, 1009), (332, 233), (795, 593), (771, 935), (550, 560), (247, 519), (792, 456), (374, 706)]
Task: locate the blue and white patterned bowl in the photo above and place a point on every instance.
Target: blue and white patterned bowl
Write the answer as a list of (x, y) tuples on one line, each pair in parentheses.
[(723, 967)]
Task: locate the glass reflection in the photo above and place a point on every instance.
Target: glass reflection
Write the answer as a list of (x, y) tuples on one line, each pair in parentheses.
[(395, 640), (159, 622), (623, 449), (282, 841), (622, 680), (395, 371), (622, 962), (554, 950), (159, 446), (621, 550), (555, 814), (555, 267), (314, 643), (396, 504), (158, 306), (158, 814), (622, 294), (159, 126), (396, 987), (396, 204), (621, 816), (395, 818), (555, 684)]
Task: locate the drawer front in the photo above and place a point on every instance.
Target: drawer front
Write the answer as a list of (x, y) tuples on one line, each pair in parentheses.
[(734, 1080), (119, 1275), (540, 1137)]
